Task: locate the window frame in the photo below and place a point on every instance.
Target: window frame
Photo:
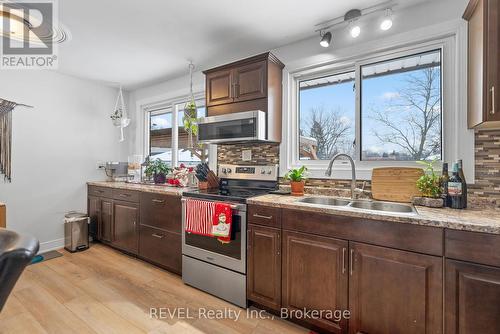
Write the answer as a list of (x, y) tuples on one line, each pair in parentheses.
[(172, 104), (450, 113)]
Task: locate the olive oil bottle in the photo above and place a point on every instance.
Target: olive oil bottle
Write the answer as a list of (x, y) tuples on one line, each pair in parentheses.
[(445, 177), (455, 190)]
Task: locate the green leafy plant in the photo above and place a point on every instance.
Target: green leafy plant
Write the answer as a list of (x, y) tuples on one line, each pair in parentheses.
[(190, 120), (156, 167), (296, 174), (429, 183)]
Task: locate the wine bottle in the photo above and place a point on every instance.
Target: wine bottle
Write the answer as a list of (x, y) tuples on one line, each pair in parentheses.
[(464, 182), (455, 191), (445, 177)]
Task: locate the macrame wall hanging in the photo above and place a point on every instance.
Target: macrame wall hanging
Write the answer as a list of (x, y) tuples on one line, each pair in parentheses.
[(190, 115), (6, 108), (119, 117)]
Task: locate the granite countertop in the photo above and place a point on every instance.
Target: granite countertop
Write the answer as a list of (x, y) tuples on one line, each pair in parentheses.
[(151, 188), (475, 220)]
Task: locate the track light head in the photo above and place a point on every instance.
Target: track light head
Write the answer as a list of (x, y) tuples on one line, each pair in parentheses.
[(326, 39), (387, 22)]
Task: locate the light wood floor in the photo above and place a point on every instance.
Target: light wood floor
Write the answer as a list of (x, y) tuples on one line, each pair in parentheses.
[(103, 291)]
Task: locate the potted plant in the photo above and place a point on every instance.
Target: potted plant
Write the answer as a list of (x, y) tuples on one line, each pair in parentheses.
[(297, 180), (429, 185), (158, 169)]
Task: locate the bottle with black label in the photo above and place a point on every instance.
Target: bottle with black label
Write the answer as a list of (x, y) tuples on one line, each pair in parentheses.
[(444, 185), (464, 182), (455, 189)]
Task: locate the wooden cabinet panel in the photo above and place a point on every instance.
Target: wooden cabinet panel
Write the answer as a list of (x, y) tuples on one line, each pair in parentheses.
[(219, 86), (126, 195), (161, 247), (493, 59), (100, 191), (475, 247), (93, 210), (315, 276), (250, 81), (264, 266), (105, 227), (472, 298), (264, 215), (161, 211), (392, 291), (126, 219)]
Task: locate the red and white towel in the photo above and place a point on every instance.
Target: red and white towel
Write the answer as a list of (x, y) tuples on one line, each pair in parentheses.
[(222, 222), (199, 217)]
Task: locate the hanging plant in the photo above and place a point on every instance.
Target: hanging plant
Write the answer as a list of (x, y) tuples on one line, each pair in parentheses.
[(119, 115), (190, 120)]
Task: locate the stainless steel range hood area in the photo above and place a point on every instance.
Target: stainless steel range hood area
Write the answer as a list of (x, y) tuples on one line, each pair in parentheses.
[(246, 126)]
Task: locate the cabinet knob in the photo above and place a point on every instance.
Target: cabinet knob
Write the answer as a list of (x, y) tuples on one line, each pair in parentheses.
[(493, 106)]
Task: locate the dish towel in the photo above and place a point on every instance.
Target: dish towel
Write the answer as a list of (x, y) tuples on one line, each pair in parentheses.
[(199, 217), (222, 221)]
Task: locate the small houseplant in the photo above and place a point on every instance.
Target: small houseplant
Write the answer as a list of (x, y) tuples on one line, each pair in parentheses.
[(297, 179), (429, 185), (158, 169)]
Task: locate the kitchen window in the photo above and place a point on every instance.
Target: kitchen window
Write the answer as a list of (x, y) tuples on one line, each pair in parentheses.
[(400, 114), (166, 137)]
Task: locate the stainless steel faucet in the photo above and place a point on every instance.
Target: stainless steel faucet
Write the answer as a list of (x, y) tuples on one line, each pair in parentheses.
[(353, 169)]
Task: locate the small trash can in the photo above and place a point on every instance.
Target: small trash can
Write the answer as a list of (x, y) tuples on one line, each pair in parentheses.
[(76, 231)]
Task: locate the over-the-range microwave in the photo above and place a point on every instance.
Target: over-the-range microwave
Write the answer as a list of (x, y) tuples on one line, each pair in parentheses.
[(235, 127)]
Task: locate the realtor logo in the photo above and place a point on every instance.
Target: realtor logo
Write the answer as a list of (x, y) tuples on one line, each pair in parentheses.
[(28, 32)]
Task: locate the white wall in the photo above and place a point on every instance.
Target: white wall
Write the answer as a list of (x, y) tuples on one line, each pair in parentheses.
[(55, 147), (308, 53)]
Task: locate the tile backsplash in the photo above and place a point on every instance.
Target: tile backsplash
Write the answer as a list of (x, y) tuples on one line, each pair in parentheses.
[(485, 191)]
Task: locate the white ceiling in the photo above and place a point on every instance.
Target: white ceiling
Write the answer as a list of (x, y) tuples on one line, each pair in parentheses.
[(143, 42)]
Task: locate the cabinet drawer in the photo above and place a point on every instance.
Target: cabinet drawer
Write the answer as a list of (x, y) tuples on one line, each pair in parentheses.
[(126, 195), (161, 211), (264, 215), (100, 191), (473, 246), (161, 247)]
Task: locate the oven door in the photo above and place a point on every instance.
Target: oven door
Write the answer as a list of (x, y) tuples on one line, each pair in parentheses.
[(208, 249), (234, 127)]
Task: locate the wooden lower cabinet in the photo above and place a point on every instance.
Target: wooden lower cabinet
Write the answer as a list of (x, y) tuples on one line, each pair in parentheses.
[(472, 298), (105, 226), (161, 247), (264, 266), (393, 291), (315, 276), (125, 231)]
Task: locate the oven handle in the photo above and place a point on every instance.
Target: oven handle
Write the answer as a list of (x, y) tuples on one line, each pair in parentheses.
[(232, 206)]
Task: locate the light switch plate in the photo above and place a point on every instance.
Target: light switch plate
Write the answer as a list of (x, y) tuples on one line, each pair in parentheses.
[(246, 155)]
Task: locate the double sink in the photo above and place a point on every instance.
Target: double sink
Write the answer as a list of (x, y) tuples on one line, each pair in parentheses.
[(361, 204)]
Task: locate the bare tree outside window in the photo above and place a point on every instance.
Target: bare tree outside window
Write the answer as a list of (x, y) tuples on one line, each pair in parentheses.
[(407, 124)]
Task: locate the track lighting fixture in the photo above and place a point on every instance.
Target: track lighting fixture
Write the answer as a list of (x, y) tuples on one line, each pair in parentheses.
[(355, 31), (387, 22), (326, 39)]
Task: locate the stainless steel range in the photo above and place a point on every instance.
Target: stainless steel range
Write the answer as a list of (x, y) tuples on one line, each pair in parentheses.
[(220, 268)]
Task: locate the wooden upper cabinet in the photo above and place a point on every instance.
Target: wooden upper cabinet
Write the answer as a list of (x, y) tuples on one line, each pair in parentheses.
[(472, 298), (250, 81), (483, 63), (392, 291), (315, 276), (264, 266), (250, 84), (126, 220), (219, 88)]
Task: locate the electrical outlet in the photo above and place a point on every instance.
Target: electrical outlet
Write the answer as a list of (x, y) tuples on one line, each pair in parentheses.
[(246, 155)]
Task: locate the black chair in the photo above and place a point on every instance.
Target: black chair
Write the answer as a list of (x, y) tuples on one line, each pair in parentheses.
[(16, 252)]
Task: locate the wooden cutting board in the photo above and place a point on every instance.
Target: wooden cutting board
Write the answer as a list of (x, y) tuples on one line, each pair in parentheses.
[(3, 220), (395, 184)]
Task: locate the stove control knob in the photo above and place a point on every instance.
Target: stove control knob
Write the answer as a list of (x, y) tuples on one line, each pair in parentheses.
[(229, 170), (223, 170), (263, 171), (269, 172)]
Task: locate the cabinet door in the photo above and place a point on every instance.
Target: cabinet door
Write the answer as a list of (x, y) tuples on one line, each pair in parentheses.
[(161, 247), (219, 86), (126, 217), (315, 276), (493, 59), (392, 291), (472, 298), (250, 81), (264, 266), (161, 211), (105, 227), (93, 207)]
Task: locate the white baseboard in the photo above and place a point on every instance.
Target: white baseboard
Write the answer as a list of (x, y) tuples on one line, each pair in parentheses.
[(51, 245)]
